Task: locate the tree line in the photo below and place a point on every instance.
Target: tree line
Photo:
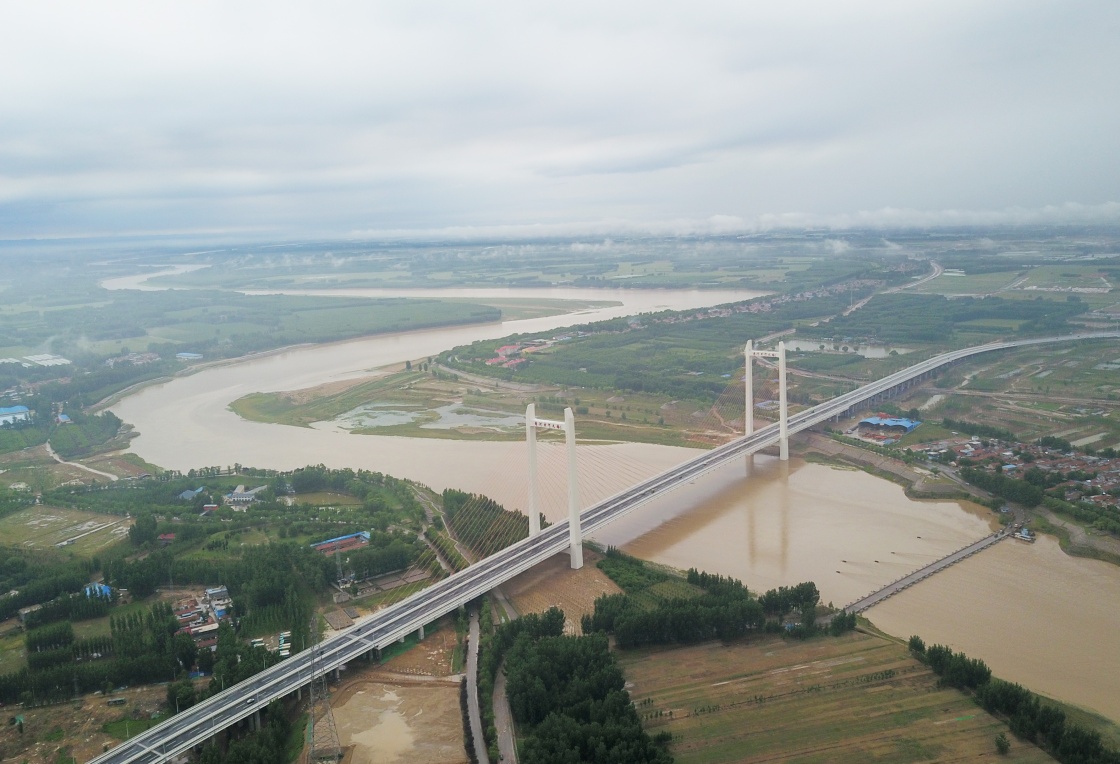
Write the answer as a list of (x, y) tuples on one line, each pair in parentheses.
[(483, 524), (1027, 716), (1018, 491), (979, 430), (567, 695), (722, 609), (143, 647)]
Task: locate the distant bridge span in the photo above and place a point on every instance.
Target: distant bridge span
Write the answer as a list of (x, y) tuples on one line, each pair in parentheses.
[(200, 722)]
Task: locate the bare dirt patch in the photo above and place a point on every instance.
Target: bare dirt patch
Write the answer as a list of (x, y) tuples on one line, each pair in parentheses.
[(553, 583), (397, 720), (431, 657)]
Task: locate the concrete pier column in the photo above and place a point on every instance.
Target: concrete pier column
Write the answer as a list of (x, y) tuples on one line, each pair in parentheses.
[(421, 633), (783, 410), (748, 387), (534, 493), (575, 533)]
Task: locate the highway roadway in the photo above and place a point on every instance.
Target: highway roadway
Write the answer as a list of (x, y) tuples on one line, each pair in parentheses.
[(200, 722)]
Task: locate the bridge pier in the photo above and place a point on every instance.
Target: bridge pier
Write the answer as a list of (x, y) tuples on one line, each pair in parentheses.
[(783, 408), (421, 633), (575, 533), (534, 492)]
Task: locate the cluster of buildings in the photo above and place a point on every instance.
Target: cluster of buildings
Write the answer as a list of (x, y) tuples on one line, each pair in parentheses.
[(136, 359), (242, 496), (512, 356), (238, 498), (200, 616), (1095, 479)]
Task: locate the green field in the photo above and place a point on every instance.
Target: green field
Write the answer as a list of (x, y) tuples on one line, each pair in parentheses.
[(327, 499), (44, 527), (856, 698), (970, 284), (1066, 276), (126, 728)]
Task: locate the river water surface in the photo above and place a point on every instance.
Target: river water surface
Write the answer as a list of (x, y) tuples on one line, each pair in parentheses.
[(1032, 613)]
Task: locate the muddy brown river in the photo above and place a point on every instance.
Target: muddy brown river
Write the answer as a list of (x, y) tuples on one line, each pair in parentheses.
[(1035, 615)]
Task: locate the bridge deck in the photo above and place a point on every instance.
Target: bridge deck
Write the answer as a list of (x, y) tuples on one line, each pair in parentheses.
[(906, 582)]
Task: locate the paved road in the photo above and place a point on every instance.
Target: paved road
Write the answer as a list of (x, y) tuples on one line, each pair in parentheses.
[(503, 720), (503, 716), (907, 581), (472, 691)]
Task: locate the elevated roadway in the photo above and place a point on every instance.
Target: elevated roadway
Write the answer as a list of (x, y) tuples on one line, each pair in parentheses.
[(921, 574), (199, 723)]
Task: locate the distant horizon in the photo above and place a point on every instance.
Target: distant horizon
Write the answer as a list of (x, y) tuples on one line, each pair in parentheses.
[(501, 119), (1101, 218)]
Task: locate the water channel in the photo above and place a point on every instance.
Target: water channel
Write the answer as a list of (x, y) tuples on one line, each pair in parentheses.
[(1034, 614)]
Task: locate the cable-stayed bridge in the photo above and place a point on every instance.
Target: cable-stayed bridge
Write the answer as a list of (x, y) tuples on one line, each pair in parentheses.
[(200, 722)]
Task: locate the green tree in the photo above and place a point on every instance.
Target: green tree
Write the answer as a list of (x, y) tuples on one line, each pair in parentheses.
[(1003, 745), (143, 531)]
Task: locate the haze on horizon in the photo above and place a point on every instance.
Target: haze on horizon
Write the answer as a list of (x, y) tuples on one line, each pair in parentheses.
[(359, 119)]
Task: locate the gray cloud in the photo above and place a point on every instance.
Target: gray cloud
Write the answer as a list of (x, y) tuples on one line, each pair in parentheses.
[(280, 117)]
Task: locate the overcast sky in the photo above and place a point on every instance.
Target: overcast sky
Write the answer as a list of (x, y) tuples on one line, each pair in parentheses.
[(350, 118)]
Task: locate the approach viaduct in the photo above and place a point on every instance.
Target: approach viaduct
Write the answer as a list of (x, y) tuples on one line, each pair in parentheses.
[(201, 722)]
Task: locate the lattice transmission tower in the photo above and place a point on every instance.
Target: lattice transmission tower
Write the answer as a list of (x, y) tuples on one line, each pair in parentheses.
[(325, 745)]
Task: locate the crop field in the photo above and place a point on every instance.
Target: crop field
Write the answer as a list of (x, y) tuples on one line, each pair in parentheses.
[(856, 698), (973, 284), (1064, 277), (1070, 392), (327, 499), (42, 527)]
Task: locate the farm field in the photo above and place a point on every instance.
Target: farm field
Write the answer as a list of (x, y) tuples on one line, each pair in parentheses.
[(973, 284), (43, 527), (1068, 392), (855, 698)]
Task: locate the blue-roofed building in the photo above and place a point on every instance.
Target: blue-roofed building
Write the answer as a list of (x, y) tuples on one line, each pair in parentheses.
[(189, 495), (98, 590), (889, 423), (13, 414)]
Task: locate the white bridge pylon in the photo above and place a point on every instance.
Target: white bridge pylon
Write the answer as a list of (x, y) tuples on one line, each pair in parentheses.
[(575, 535), (748, 383)]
